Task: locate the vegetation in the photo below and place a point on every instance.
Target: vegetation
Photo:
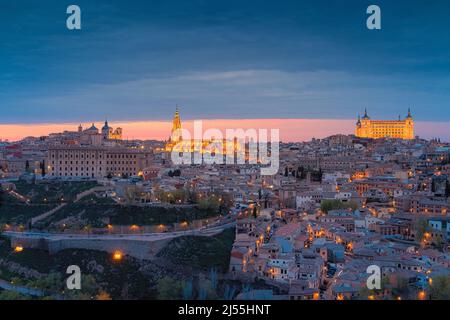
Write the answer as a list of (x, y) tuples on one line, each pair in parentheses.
[(101, 277), (20, 213), (168, 289), (440, 289), (201, 252), (191, 196), (421, 227), (53, 192), (98, 212), (328, 205), (12, 295)]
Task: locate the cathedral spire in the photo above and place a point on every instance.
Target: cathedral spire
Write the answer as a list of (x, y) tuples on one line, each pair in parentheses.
[(409, 113), (176, 126)]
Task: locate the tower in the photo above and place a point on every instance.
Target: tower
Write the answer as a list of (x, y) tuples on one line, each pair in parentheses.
[(366, 117), (106, 130), (409, 126), (363, 125), (176, 127)]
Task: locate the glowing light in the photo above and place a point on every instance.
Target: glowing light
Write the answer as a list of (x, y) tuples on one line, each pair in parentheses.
[(117, 256), (316, 296), (18, 249), (340, 296), (422, 295)]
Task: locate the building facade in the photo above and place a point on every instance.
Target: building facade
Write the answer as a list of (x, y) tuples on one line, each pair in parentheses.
[(95, 162), (376, 129)]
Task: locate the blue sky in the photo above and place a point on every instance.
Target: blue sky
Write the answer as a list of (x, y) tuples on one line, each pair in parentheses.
[(135, 60)]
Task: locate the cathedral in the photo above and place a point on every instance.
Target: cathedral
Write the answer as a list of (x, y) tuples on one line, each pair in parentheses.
[(178, 144), (377, 129)]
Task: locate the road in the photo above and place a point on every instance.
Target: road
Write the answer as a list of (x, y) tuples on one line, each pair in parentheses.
[(208, 231)]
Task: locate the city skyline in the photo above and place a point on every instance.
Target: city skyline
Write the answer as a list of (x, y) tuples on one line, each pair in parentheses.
[(291, 130)]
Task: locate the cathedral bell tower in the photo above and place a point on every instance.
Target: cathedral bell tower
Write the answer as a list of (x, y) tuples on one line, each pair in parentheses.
[(176, 128)]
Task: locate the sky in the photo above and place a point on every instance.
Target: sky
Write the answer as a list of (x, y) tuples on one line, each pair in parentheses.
[(134, 61)]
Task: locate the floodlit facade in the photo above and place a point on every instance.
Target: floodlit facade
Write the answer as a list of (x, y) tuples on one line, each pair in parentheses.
[(377, 129)]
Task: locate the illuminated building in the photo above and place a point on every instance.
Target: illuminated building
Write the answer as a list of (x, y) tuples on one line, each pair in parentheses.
[(376, 129), (110, 134), (178, 144)]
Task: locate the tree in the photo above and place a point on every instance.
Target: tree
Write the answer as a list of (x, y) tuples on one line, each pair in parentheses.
[(52, 283), (320, 175), (328, 205), (168, 289), (255, 212), (190, 195), (179, 195), (43, 168), (421, 227), (440, 288), (211, 203), (88, 290), (130, 193)]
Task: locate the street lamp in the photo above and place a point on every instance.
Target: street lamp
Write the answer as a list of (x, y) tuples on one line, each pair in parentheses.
[(117, 256)]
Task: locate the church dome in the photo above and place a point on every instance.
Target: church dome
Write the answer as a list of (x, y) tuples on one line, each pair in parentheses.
[(93, 128)]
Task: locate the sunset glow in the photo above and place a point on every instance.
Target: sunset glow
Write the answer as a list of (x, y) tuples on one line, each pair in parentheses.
[(291, 130)]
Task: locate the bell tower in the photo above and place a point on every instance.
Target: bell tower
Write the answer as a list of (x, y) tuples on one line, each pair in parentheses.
[(176, 127)]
